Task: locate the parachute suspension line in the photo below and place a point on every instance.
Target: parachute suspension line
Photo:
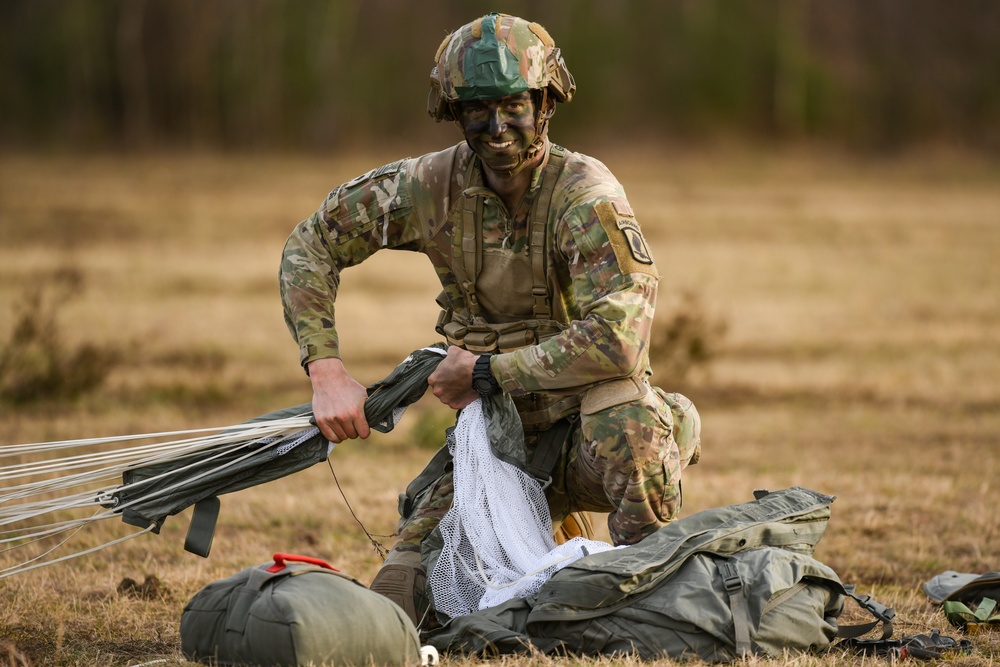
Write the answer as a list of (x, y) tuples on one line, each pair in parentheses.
[(95, 478), (19, 568), (42, 555), (379, 548), (36, 447)]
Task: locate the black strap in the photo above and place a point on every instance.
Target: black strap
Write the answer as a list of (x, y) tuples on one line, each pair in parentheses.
[(882, 614), (551, 444), (201, 532), (923, 647)]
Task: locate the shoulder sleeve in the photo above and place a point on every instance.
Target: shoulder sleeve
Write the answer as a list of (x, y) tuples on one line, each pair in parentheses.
[(611, 292), (370, 212)]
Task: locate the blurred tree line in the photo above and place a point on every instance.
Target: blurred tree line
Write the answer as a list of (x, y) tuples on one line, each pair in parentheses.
[(319, 74)]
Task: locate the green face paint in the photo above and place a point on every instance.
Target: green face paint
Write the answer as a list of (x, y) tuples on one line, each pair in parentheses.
[(499, 131)]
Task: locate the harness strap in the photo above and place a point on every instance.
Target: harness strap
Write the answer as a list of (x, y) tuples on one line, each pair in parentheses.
[(738, 605), (549, 414), (539, 238), (551, 444), (472, 238)]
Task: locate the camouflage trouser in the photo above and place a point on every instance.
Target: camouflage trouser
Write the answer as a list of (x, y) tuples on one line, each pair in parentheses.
[(626, 460)]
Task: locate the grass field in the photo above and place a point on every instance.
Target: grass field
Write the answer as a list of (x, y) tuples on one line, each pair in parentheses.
[(861, 358)]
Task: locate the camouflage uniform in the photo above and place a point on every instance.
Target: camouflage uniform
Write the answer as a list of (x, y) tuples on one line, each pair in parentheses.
[(624, 458), (632, 441)]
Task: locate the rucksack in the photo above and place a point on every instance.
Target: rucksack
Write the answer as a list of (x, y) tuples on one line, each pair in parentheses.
[(719, 584)]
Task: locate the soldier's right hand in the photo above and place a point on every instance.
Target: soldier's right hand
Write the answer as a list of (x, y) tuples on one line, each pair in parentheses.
[(338, 401)]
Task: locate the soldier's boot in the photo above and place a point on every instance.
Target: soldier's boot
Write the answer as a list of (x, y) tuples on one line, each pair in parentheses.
[(404, 581)]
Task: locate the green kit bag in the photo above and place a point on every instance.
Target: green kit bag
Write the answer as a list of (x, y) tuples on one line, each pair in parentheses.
[(296, 611)]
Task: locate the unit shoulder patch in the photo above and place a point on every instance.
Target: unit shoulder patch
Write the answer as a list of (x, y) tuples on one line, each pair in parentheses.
[(626, 238)]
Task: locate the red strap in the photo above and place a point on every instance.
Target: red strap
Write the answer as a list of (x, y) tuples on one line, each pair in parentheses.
[(279, 562)]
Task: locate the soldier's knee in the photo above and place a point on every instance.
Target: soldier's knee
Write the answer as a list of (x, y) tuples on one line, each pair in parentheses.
[(686, 426)]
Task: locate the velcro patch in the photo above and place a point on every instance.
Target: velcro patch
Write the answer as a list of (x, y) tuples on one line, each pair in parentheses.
[(626, 239), (384, 170)]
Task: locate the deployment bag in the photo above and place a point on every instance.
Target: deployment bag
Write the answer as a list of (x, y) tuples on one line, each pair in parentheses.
[(717, 585), (295, 611)]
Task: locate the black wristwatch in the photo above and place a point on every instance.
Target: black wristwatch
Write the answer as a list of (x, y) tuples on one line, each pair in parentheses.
[(482, 377)]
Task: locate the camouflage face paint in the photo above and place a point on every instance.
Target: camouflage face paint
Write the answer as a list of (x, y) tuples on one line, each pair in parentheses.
[(499, 131)]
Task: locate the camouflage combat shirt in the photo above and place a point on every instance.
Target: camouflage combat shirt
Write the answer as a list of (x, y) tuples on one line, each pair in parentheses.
[(601, 278)]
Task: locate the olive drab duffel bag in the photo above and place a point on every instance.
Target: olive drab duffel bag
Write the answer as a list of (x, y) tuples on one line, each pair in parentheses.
[(296, 611), (717, 585)]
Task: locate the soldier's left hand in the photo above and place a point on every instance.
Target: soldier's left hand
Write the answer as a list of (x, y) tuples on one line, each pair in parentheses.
[(451, 381)]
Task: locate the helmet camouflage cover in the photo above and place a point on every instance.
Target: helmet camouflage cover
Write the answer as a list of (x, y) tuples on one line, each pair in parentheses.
[(495, 56)]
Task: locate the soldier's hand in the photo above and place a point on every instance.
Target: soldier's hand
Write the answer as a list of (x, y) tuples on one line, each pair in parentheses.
[(451, 381), (338, 401)]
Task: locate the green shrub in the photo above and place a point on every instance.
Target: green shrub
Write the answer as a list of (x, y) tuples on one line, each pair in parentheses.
[(36, 364)]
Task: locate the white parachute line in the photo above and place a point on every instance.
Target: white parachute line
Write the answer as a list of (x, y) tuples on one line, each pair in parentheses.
[(526, 575), (287, 433), (39, 487), (67, 481), (45, 507), (26, 511), (31, 539), (44, 553), (49, 529), (10, 572), (164, 451), (168, 489), (90, 460), (113, 472), (36, 447)]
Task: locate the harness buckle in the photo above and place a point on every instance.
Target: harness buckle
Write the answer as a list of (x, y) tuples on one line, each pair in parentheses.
[(733, 583), (876, 609)]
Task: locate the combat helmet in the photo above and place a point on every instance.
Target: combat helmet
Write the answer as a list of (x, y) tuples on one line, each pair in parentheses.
[(495, 56)]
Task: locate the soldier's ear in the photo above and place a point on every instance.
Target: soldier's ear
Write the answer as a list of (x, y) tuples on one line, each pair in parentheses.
[(549, 108), (545, 104)]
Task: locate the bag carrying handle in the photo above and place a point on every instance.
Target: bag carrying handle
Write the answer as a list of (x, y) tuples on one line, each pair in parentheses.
[(281, 559)]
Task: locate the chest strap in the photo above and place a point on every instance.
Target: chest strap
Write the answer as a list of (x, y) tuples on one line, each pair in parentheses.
[(539, 238)]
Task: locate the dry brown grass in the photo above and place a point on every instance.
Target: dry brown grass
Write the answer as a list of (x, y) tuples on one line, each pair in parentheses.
[(862, 304)]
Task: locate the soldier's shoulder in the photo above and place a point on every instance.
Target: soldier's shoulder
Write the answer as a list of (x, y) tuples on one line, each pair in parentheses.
[(433, 170), (586, 181)]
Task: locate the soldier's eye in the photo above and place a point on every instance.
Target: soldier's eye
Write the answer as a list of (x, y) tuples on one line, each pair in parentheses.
[(474, 110)]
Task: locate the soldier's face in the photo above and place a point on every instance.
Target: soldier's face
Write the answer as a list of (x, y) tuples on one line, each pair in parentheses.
[(499, 131)]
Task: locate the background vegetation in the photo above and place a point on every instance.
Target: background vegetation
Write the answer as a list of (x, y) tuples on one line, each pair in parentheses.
[(818, 182), (874, 75)]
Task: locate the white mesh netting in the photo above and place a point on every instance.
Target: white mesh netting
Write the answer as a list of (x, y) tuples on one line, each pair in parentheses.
[(498, 533)]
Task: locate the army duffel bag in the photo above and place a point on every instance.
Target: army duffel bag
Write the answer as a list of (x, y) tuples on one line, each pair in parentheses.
[(296, 611)]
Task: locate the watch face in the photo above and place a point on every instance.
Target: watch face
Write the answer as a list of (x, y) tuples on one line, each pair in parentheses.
[(482, 379)]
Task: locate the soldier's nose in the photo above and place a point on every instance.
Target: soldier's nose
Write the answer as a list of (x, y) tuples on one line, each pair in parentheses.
[(497, 125)]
